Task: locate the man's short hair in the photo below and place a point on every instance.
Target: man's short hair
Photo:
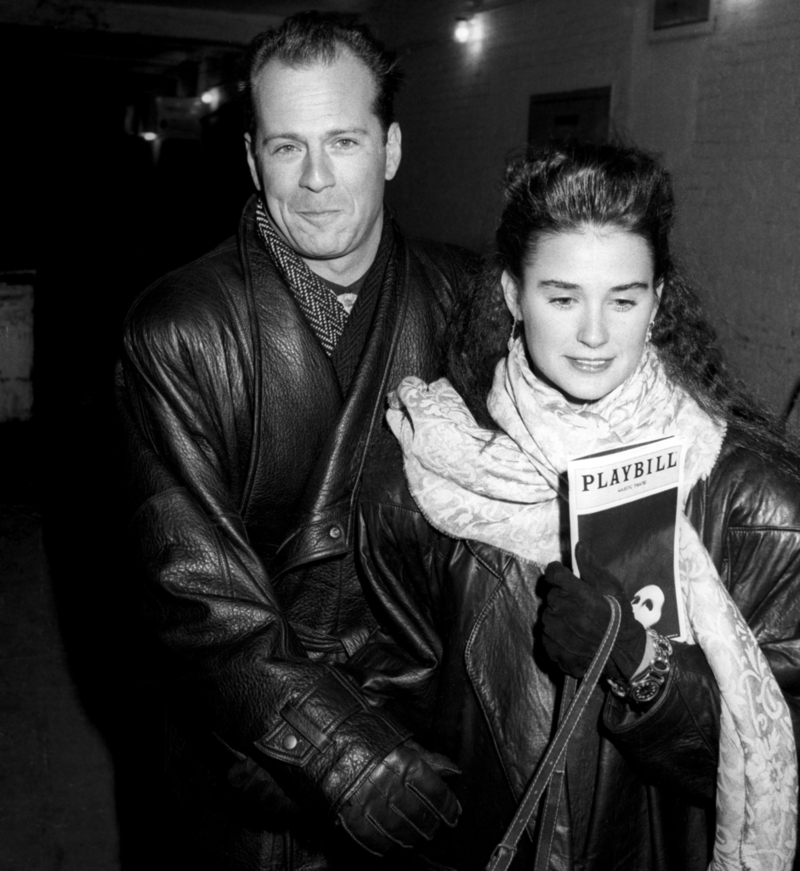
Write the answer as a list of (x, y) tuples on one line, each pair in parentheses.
[(315, 37)]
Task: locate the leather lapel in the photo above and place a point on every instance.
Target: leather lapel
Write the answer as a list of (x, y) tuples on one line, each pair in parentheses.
[(324, 526), (287, 360)]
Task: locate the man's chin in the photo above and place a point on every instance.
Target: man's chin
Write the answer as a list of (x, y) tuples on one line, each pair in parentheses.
[(321, 246)]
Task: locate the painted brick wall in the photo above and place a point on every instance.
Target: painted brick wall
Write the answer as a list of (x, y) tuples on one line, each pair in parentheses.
[(723, 110), (741, 186), (464, 108)]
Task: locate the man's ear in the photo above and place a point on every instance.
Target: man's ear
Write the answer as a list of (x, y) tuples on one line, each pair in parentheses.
[(251, 161), (394, 150), (511, 293)]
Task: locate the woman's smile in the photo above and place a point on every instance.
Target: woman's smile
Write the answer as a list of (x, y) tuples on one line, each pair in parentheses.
[(584, 364)]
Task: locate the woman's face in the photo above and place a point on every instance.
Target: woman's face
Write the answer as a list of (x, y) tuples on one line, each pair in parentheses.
[(586, 301)]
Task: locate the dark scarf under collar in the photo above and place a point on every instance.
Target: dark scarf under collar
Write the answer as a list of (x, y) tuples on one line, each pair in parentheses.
[(318, 303)]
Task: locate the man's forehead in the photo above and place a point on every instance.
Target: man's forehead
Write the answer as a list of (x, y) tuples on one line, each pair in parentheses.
[(344, 75)]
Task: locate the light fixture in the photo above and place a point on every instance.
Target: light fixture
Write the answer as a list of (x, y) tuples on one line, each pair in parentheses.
[(149, 136), (212, 98), (463, 29)]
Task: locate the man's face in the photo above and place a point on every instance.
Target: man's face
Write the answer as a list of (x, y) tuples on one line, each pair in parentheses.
[(321, 158)]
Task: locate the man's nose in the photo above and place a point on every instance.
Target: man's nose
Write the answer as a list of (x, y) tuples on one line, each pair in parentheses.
[(593, 330), (317, 171)]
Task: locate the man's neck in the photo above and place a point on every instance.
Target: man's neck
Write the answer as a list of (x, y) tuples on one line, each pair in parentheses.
[(348, 269)]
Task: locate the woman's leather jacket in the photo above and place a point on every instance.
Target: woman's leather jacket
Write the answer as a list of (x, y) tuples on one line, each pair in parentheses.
[(459, 658)]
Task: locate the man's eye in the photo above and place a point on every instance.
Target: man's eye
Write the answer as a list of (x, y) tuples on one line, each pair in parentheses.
[(288, 148), (345, 143)]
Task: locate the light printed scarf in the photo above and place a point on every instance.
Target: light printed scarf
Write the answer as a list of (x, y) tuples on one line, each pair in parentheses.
[(504, 489)]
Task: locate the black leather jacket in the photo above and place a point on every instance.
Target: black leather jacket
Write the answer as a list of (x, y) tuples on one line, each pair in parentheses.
[(458, 656), (245, 459)]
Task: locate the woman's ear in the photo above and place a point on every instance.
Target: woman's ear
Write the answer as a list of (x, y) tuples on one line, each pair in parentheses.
[(511, 294), (658, 290)]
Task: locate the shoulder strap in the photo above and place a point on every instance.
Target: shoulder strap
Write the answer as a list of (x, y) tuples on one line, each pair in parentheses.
[(549, 765)]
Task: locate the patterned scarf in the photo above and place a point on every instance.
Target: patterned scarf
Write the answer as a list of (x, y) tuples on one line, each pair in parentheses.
[(504, 489), (318, 303)]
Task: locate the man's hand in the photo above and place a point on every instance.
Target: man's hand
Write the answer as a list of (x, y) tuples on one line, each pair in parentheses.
[(402, 802), (576, 617), (332, 748)]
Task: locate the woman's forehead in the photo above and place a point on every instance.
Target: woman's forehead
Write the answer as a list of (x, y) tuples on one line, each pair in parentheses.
[(591, 250)]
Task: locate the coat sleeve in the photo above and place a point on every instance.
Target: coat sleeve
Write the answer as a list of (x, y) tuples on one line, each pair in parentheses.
[(401, 559), (187, 420), (749, 518)]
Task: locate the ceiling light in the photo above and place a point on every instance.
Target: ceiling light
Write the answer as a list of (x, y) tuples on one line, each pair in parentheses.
[(463, 30)]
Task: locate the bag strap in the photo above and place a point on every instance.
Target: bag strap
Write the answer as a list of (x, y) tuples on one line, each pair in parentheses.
[(504, 852)]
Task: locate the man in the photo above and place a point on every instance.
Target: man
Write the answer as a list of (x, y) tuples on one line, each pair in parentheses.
[(250, 399)]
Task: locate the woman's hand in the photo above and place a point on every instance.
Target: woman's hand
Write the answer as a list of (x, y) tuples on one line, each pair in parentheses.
[(576, 616)]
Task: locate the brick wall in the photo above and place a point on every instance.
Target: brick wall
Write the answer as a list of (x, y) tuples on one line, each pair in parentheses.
[(741, 188), (722, 109), (464, 108)]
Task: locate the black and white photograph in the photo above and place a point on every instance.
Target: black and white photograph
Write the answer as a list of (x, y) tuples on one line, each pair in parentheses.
[(399, 435)]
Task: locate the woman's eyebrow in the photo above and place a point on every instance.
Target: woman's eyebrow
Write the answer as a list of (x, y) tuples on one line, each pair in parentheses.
[(561, 285), (632, 285)]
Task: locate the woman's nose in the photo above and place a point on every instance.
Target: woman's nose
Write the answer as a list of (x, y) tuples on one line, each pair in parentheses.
[(593, 331)]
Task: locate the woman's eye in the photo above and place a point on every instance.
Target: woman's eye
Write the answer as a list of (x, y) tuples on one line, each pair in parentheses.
[(624, 304), (562, 301)]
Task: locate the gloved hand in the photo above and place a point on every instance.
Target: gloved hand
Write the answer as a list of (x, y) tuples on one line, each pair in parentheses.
[(402, 802), (576, 616), (331, 748)]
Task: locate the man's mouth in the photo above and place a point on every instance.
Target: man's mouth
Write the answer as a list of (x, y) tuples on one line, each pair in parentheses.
[(317, 214)]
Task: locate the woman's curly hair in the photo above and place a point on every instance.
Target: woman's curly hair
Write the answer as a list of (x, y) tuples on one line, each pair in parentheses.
[(571, 186)]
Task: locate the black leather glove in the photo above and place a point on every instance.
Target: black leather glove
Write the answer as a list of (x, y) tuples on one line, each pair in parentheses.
[(576, 616), (402, 802), (354, 761)]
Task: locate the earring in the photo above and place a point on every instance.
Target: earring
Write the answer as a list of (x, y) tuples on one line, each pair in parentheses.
[(513, 333), (649, 336)]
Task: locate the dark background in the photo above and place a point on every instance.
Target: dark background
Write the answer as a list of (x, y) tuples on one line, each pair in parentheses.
[(95, 209), (97, 212)]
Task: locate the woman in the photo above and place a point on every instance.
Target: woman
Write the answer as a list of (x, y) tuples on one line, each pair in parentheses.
[(691, 762)]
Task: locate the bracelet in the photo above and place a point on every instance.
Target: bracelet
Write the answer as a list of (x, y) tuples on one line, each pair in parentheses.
[(646, 685)]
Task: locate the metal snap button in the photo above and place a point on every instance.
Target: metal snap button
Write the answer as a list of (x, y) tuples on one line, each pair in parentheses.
[(289, 742), (335, 532)]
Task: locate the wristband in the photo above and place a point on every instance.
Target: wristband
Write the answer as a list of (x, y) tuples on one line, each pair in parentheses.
[(646, 685)]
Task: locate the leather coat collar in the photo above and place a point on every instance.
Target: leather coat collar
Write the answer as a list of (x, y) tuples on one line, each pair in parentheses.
[(324, 525)]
